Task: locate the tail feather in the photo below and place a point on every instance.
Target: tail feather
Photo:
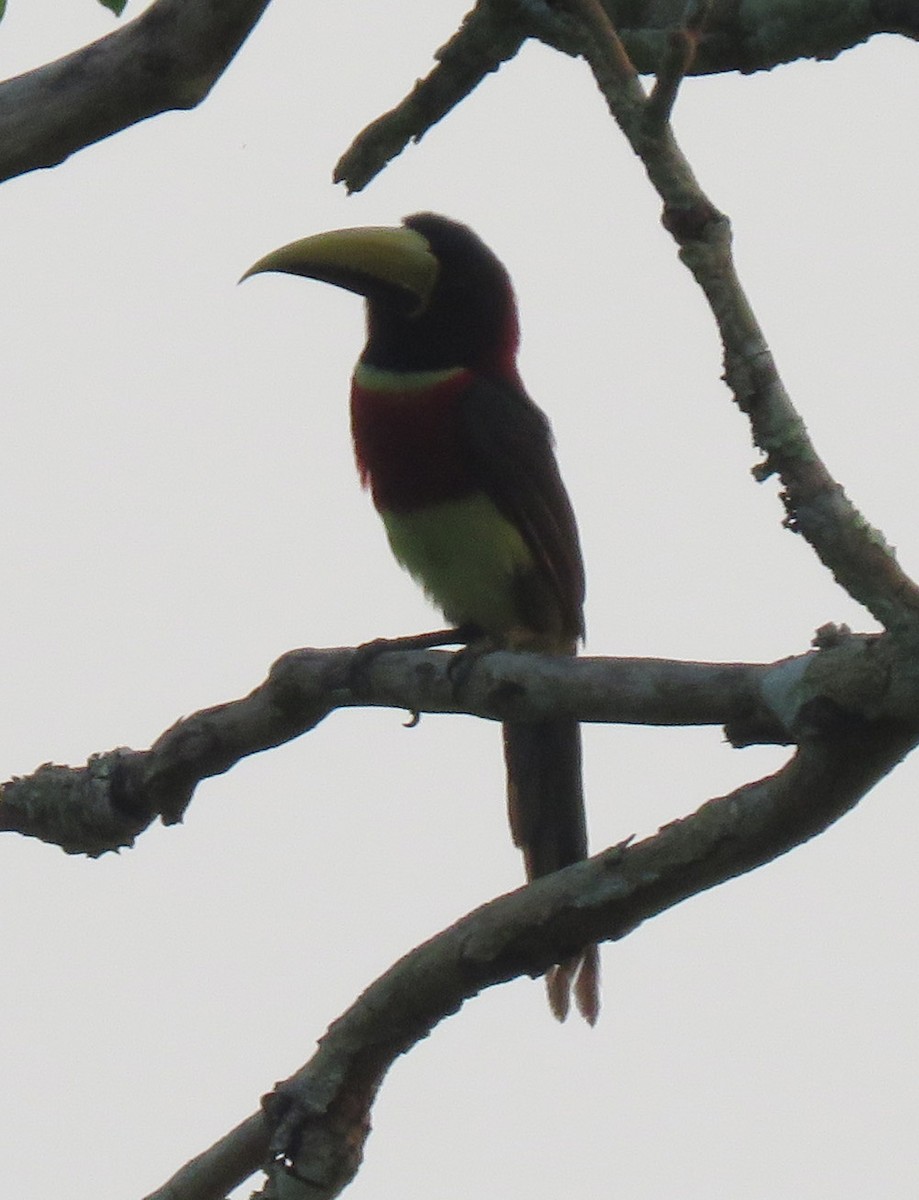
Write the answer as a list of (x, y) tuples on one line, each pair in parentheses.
[(546, 812), (545, 798), (580, 977)]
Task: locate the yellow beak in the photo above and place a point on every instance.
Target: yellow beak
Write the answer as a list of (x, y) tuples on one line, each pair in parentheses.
[(395, 263)]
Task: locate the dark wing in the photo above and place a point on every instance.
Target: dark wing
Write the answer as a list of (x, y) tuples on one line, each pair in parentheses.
[(511, 446)]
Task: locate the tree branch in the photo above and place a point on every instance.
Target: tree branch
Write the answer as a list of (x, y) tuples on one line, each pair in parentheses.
[(171, 56), (487, 37), (754, 36), (318, 1119), (109, 802), (759, 34), (168, 58), (816, 505)]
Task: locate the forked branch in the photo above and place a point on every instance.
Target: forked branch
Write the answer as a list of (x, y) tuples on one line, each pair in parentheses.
[(317, 1121), (666, 38), (816, 505)]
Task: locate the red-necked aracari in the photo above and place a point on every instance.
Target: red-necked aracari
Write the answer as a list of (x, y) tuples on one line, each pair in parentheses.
[(460, 464)]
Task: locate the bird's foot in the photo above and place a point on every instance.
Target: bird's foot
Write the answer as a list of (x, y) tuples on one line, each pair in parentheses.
[(464, 660)]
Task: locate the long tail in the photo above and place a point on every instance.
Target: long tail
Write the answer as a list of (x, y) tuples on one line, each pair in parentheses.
[(545, 801)]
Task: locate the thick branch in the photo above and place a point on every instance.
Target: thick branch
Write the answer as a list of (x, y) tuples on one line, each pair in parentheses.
[(106, 804), (321, 1114), (759, 34), (168, 58)]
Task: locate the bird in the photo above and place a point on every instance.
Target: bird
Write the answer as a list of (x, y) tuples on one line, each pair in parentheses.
[(461, 467)]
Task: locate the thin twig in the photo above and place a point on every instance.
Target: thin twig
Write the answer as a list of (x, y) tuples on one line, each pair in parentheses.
[(682, 47)]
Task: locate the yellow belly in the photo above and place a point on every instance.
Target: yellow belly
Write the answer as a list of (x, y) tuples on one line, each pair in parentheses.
[(466, 556)]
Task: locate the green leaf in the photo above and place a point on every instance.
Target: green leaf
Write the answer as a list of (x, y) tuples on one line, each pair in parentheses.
[(117, 6), (2, 8)]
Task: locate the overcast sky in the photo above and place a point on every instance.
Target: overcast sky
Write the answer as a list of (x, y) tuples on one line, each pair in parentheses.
[(178, 506)]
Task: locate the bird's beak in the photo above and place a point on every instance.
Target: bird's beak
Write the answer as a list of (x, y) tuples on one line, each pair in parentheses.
[(391, 264)]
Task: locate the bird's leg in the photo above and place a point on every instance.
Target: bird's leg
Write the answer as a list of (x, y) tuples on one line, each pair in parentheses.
[(458, 635), (364, 655)]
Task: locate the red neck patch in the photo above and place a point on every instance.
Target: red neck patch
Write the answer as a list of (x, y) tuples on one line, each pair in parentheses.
[(408, 437)]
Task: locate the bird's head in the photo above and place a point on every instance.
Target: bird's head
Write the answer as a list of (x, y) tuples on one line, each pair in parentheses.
[(437, 297)]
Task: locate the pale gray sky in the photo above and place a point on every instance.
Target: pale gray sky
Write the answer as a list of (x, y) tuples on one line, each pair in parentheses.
[(179, 506)]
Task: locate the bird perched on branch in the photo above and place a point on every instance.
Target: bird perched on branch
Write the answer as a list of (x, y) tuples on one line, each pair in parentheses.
[(460, 464)]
